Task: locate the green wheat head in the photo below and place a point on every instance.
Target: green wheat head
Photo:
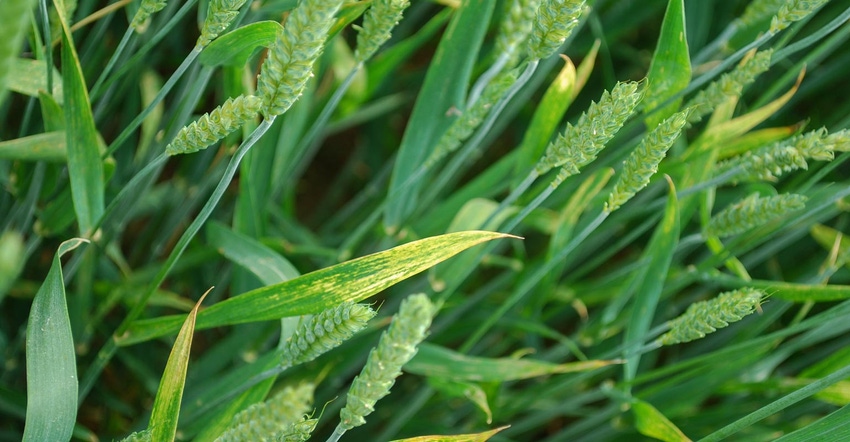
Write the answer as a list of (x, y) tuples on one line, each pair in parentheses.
[(759, 10), (146, 9), (215, 125), (15, 14), (516, 26), (378, 23), (325, 331), (261, 422), (221, 13), (643, 161), (792, 11), (285, 73), (706, 317), (396, 346), (730, 84), (465, 125), (297, 431), (771, 161), (556, 19), (751, 212), (840, 141), (579, 144)]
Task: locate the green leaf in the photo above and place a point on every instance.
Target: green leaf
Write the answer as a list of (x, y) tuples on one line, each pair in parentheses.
[(48, 146), (651, 422), (166, 406), (472, 215), (436, 361), (833, 427), (670, 70), (545, 120), (84, 165), (29, 76), (249, 253), (236, 47), (51, 365), (650, 280), (471, 437), (788, 291), (314, 292), (444, 88), (467, 390)]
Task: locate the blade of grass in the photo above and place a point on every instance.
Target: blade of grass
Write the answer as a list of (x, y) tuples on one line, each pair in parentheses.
[(51, 362), (670, 70), (84, 165), (444, 88), (166, 406)]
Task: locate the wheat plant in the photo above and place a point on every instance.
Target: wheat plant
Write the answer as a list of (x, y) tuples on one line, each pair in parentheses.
[(621, 220)]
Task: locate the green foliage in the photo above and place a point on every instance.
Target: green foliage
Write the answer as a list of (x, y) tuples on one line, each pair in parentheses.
[(384, 149)]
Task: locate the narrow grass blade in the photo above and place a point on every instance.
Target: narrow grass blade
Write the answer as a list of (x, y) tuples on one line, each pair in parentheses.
[(545, 121), (670, 70), (652, 423), (788, 291), (51, 362), (444, 88), (314, 292), (433, 360), (834, 427), (650, 280), (166, 406), (237, 46), (48, 146), (471, 437), (84, 165), (249, 253)]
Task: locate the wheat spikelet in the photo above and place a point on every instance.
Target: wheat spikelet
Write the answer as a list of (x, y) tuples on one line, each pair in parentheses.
[(556, 19), (759, 10), (516, 26), (706, 317), (378, 23), (261, 422), (324, 332), (285, 73), (792, 11), (472, 117), (139, 436), (771, 161), (643, 161), (730, 84), (214, 125), (219, 16), (396, 346), (752, 211), (297, 431), (579, 144), (146, 9)]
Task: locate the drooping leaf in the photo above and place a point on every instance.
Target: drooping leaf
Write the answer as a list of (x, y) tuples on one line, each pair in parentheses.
[(314, 292), (433, 360)]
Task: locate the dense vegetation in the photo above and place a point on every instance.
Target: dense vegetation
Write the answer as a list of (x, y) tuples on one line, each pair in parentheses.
[(467, 220)]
